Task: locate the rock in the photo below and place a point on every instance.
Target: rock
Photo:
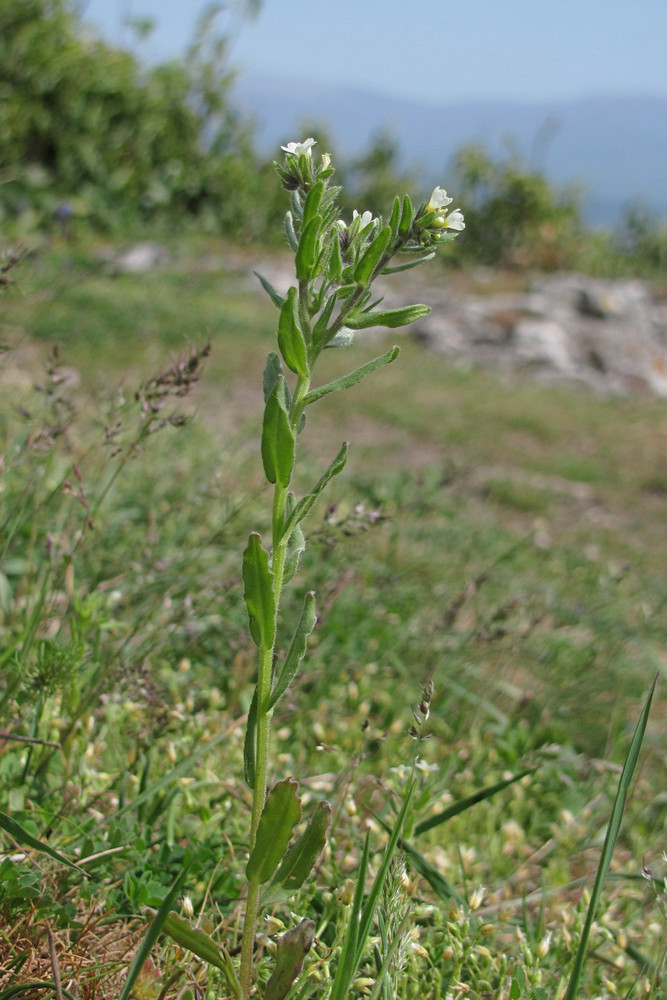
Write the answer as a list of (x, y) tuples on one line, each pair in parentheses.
[(138, 258), (541, 342), (608, 335)]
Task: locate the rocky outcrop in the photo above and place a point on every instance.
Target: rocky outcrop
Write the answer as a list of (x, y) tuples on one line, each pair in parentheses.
[(608, 335)]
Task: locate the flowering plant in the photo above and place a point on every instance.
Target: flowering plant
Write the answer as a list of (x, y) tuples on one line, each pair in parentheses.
[(330, 301)]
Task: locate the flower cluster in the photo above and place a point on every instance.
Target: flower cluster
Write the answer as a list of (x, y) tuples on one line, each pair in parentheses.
[(438, 203)]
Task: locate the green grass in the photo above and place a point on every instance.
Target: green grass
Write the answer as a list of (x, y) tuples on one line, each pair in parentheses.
[(506, 540)]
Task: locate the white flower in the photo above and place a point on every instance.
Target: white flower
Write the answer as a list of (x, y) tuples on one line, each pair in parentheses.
[(425, 767), (364, 220), (455, 220), (438, 199), (438, 203), (297, 148)]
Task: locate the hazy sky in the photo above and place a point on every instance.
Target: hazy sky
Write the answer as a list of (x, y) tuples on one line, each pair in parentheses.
[(434, 50)]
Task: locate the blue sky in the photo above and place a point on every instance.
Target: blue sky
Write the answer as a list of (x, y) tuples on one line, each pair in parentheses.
[(437, 51)]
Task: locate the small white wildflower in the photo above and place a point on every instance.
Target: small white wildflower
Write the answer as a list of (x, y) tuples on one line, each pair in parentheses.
[(425, 767), (438, 200), (455, 220), (188, 908), (365, 218), (297, 148)]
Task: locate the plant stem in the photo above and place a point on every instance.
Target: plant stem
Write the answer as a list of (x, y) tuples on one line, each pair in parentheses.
[(264, 713)]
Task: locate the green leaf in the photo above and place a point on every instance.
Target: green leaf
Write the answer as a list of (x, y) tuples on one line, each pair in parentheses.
[(196, 941), (407, 216), (300, 858), (335, 273), (395, 217), (611, 835), (347, 965), (366, 918), (440, 885), (312, 203), (277, 437), (361, 913), (151, 936), (307, 251), (274, 295), (249, 743), (307, 502), (320, 328), (258, 594), (295, 546), (290, 336), (464, 804), (21, 836), (290, 233), (372, 256), (297, 649), (282, 811), (273, 370), (31, 987), (387, 317), (292, 948), (345, 381), (409, 264)]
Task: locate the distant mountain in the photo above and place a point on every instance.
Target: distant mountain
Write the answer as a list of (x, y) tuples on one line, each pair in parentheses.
[(613, 148)]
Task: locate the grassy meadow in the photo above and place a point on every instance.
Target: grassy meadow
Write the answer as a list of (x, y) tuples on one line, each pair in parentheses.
[(504, 538)]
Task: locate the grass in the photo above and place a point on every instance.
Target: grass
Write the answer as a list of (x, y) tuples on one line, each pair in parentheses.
[(506, 540)]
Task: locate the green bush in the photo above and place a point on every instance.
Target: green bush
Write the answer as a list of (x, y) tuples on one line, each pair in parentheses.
[(87, 130)]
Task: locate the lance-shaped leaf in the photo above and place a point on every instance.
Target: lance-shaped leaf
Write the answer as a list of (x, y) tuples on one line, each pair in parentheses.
[(290, 336), (320, 328), (407, 217), (312, 203), (290, 233), (297, 649), (409, 264), (295, 544), (345, 381), (387, 317), (395, 217), (291, 950), (273, 370), (250, 743), (611, 835), (335, 265), (277, 437), (300, 858), (306, 503), (424, 221), (21, 836), (258, 594), (151, 935), (196, 941), (281, 813), (273, 294), (307, 251), (370, 259)]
